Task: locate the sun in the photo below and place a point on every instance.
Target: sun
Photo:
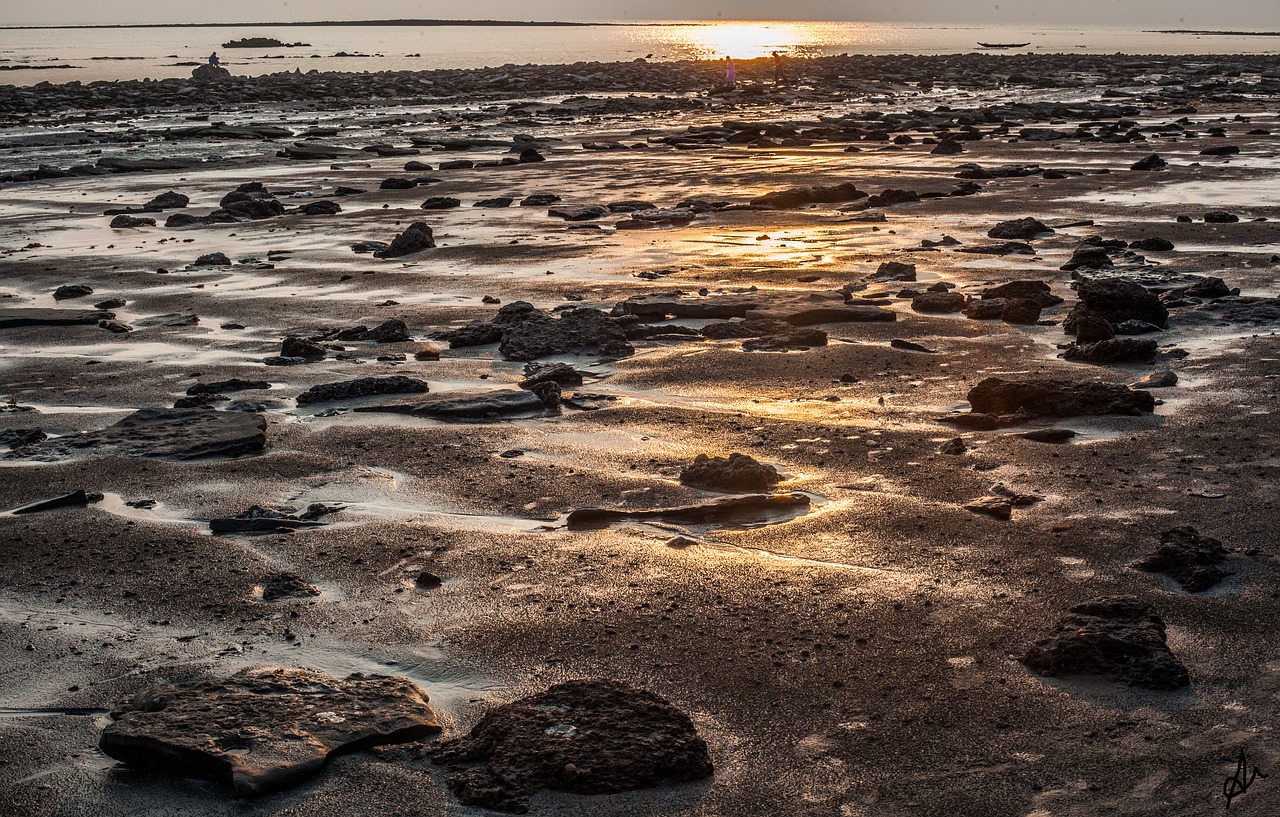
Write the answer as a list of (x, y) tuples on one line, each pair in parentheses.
[(747, 40)]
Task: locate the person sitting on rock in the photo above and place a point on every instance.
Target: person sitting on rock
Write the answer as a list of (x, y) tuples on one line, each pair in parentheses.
[(213, 59)]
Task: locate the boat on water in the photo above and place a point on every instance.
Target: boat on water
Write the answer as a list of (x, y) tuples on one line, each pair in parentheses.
[(1004, 45)]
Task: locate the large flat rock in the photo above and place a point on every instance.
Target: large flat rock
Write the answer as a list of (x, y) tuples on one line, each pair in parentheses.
[(264, 729), (478, 407), (38, 316), (179, 434)]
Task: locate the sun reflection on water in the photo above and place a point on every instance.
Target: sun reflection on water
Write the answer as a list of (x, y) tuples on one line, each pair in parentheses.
[(748, 40)]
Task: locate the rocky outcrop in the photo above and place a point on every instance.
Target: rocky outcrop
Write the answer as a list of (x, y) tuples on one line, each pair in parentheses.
[(524, 332), (1057, 398), (263, 729), (737, 472), (1188, 558), (361, 387), (179, 434), (416, 238)]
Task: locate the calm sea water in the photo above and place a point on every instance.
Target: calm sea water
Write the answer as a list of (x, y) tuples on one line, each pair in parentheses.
[(119, 54)]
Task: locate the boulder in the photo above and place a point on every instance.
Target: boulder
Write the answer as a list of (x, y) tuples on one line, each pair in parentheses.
[(585, 737), (1037, 291), (205, 74), (1113, 350), (1057, 398), (179, 434), (325, 207), (1188, 558), (1152, 162), (1022, 229), (1115, 300), (940, 302), (737, 472), (263, 729), (1120, 638), (416, 238), (122, 222), (441, 203)]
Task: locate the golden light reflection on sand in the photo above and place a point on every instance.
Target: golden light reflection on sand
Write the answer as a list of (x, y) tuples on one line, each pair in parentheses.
[(748, 40)]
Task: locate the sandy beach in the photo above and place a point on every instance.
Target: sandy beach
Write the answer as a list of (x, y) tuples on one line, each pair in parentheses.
[(807, 272)]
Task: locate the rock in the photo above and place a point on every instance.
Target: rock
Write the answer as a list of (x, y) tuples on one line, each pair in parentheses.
[(815, 311), (997, 507), (294, 346), (1037, 291), (213, 259), (75, 499), (526, 333), (427, 580), (1152, 162), (1115, 350), (441, 203), (892, 196), (1188, 558), (1023, 311), (561, 373), (1118, 637), (1022, 229), (1005, 248), (954, 447), (985, 309), (1220, 150), (1115, 300), (398, 184), (281, 360), (287, 586), (1220, 217), (894, 271), (393, 330), (800, 196), (68, 291), (457, 164), (1152, 245), (205, 74), (939, 302), (125, 222), (320, 208), (585, 212), (496, 202), (1091, 329), (1057, 398), (416, 238), (539, 200), (736, 509), (252, 207), (1048, 435), (179, 434), (478, 407), (168, 201), (115, 327), (788, 338), (585, 737), (110, 303), (530, 156), (263, 729), (17, 318), (910, 346), (361, 387), (415, 166), (947, 147), (15, 438), (257, 519), (1156, 380), (738, 473), (234, 384), (1088, 255)]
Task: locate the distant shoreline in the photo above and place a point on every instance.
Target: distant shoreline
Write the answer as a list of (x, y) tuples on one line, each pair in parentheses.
[(322, 24), (1215, 33)]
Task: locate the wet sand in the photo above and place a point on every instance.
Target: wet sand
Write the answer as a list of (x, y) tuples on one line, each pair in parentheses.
[(857, 659)]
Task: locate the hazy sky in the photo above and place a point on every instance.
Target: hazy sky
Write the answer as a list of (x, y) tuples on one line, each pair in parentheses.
[(1258, 14)]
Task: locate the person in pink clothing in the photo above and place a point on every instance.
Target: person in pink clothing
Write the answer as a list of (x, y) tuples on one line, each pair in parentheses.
[(731, 73)]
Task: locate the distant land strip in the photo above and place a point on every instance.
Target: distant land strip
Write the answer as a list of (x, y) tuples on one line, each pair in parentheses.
[(1217, 33), (324, 23)]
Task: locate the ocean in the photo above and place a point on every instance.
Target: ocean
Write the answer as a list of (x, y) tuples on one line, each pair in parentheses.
[(29, 56)]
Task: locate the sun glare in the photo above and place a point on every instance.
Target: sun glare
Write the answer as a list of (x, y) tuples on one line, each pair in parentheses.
[(748, 40)]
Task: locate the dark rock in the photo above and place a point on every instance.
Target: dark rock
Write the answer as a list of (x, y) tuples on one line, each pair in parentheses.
[(287, 586), (361, 387), (258, 519), (1037, 291), (788, 338), (1156, 380), (910, 346), (398, 184), (1152, 162), (1188, 558), (393, 330), (457, 164), (939, 302), (1088, 255), (234, 384), (281, 360), (294, 346), (1115, 350), (207, 74), (124, 222), (735, 510), (738, 472), (947, 147), (213, 259), (483, 406), (263, 729), (1006, 248), (800, 196), (253, 208), (585, 737), (320, 208), (1118, 637), (168, 201), (539, 200), (1220, 217), (530, 156), (441, 203), (630, 206), (954, 447), (1057, 398), (1091, 329), (75, 499), (584, 212), (561, 373), (110, 303), (526, 333), (115, 327), (1115, 300), (416, 238), (68, 291), (16, 318), (894, 271), (15, 438), (985, 309), (892, 196), (1220, 150), (1152, 245), (415, 166), (496, 202), (1022, 229), (1024, 311), (179, 434)]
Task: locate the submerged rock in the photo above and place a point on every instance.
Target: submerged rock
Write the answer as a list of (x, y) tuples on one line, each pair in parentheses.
[(586, 737), (737, 472), (1118, 637), (1188, 558), (264, 729)]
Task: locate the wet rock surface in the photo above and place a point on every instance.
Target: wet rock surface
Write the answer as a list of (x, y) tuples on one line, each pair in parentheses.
[(585, 737), (263, 729), (1120, 638), (179, 434)]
